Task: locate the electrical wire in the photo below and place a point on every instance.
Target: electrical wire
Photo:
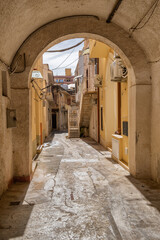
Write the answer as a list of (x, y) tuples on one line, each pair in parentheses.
[(14, 70), (41, 89), (66, 49), (64, 59), (16, 65), (68, 64), (36, 91), (132, 29), (36, 84)]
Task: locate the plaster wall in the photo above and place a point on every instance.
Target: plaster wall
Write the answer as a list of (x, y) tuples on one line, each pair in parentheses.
[(40, 125), (22, 134), (98, 48), (108, 100), (124, 117), (6, 164), (140, 121), (93, 131), (63, 112), (155, 122), (136, 51), (34, 117), (24, 17)]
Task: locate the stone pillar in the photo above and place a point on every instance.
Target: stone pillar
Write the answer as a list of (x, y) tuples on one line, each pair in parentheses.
[(140, 130), (22, 147)]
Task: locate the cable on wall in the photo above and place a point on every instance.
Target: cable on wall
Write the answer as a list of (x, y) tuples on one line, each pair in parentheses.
[(64, 60), (138, 27)]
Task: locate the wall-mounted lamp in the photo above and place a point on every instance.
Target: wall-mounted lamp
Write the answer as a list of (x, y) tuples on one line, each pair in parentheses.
[(36, 75)]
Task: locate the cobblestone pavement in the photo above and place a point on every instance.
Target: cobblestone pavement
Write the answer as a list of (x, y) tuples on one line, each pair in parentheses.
[(79, 192)]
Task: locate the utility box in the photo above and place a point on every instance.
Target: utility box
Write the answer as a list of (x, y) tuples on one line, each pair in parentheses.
[(11, 118), (117, 152)]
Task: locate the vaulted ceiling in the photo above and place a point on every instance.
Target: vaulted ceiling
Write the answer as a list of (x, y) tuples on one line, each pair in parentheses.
[(18, 19)]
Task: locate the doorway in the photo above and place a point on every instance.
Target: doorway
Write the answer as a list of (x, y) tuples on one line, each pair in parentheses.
[(54, 121)]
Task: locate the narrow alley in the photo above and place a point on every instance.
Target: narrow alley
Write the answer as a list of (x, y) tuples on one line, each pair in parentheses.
[(79, 192)]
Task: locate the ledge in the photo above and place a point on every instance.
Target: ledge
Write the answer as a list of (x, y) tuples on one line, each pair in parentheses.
[(116, 136)]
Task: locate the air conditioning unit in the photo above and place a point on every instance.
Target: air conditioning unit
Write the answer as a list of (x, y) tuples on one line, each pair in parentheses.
[(98, 80), (118, 71)]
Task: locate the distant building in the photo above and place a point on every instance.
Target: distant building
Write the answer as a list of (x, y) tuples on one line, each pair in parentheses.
[(59, 102), (64, 80)]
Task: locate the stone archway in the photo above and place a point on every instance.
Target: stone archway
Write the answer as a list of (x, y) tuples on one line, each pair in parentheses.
[(139, 87)]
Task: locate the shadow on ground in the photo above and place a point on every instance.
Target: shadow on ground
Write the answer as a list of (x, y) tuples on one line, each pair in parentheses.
[(14, 213), (94, 144), (148, 188), (18, 219)]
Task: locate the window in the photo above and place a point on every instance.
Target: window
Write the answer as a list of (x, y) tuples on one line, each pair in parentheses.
[(102, 118), (4, 83)]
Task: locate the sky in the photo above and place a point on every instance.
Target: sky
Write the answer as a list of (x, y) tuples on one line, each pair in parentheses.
[(55, 59)]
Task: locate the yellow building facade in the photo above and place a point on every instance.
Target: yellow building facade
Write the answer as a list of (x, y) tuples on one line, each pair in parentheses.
[(40, 124), (112, 102)]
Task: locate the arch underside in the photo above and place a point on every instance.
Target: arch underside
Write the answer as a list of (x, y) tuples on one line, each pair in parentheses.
[(90, 27)]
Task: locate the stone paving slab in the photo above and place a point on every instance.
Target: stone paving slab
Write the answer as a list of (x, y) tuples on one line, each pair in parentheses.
[(78, 192)]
